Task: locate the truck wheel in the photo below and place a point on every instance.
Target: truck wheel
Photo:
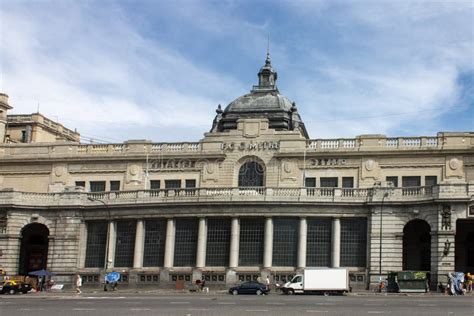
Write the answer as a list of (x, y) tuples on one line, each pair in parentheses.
[(291, 292), (235, 292), (326, 293), (259, 292)]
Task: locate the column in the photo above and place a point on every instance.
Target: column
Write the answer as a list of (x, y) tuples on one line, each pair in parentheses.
[(139, 245), (201, 244), (169, 244), (234, 243), (111, 240), (302, 243), (268, 243), (336, 243), (81, 261)]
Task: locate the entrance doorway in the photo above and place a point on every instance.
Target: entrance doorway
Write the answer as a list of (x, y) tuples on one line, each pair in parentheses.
[(464, 248), (34, 248), (417, 246)]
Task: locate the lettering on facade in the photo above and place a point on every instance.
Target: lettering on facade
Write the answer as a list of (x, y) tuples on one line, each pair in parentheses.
[(327, 162), (171, 164), (250, 146)]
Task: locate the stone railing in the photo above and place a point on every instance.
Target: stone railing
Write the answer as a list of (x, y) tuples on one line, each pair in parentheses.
[(242, 194), (373, 142)]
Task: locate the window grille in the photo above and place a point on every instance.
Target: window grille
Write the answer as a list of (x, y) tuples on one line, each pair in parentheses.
[(353, 242), (218, 242), (114, 185), (285, 241), (310, 182), (328, 182), (318, 252), (251, 174), (155, 238), (97, 186), (155, 184), (125, 243), (251, 242), (190, 183), (96, 243), (431, 181), (348, 182), (411, 181), (172, 184), (185, 242)]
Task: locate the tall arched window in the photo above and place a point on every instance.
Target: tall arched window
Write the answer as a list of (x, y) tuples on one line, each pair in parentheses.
[(251, 174)]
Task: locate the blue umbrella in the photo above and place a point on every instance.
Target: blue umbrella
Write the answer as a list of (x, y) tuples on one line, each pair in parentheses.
[(42, 272), (112, 277)]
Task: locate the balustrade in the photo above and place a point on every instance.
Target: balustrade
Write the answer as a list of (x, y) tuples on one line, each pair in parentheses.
[(355, 195)]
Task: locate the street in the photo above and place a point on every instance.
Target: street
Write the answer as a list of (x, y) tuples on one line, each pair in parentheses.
[(221, 304)]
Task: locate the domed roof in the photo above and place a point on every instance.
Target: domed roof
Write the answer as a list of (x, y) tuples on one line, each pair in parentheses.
[(263, 101), (260, 101)]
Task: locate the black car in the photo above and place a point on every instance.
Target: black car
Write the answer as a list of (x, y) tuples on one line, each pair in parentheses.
[(11, 287), (251, 287)]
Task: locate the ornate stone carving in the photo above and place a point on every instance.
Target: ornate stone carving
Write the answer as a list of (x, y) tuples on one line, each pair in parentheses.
[(369, 165), (454, 164), (446, 217), (217, 119)]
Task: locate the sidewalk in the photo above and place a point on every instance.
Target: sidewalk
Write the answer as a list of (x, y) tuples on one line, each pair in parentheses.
[(122, 292)]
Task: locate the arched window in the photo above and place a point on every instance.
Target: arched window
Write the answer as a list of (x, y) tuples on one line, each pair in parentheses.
[(251, 174)]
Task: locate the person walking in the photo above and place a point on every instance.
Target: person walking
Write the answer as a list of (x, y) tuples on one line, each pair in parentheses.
[(468, 282), (78, 284)]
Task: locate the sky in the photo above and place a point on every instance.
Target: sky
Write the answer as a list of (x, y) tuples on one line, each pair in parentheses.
[(156, 70)]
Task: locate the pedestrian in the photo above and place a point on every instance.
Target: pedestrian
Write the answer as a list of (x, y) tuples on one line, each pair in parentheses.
[(469, 282), (78, 284), (267, 282)]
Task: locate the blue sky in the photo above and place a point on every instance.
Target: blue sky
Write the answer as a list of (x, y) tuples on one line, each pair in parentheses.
[(156, 70)]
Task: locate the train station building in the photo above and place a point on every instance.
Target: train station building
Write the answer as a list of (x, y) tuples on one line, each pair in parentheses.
[(256, 196)]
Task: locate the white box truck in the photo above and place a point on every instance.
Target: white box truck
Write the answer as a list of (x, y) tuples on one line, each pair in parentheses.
[(325, 281)]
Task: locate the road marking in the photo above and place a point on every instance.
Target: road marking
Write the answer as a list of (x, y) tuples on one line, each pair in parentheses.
[(83, 309), (327, 304), (376, 312), (256, 310), (426, 304), (179, 302), (226, 303), (198, 309), (276, 303), (140, 309), (313, 311)]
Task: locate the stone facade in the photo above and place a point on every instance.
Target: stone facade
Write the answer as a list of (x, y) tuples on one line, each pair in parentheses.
[(165, 210)]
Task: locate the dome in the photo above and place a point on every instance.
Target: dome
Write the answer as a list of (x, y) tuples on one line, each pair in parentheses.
[(263, 101), (257, 101)]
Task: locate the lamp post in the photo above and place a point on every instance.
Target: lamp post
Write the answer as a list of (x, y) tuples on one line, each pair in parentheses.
[(380, 250), (107, 260)]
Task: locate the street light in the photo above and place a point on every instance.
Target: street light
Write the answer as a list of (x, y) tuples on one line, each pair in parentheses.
[(381, 214), (107, 260)]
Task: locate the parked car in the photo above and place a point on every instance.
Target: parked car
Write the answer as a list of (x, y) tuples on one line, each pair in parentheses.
[(12, 287), (251, 287)]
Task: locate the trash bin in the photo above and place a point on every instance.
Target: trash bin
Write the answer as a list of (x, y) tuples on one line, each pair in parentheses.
[(408, 281)]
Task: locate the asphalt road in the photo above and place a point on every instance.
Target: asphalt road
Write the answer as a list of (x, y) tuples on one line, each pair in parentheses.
[(202, 304)]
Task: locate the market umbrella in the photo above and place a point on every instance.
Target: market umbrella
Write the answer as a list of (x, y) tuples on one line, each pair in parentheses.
[(42, 272)]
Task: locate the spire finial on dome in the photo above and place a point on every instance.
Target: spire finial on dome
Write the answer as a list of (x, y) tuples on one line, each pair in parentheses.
[(268, 59), (267, 76)]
